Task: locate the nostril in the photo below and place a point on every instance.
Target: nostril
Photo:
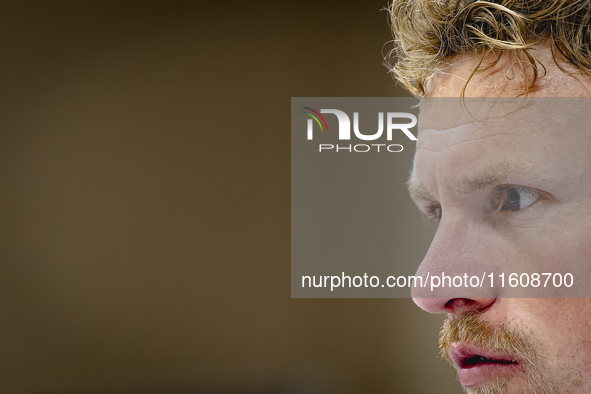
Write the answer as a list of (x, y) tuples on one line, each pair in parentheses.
[(455, 306), (455, 303), (460, 306)]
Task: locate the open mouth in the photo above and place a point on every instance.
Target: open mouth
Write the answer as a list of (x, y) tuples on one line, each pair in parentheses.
[(474, 361), (479, 366)]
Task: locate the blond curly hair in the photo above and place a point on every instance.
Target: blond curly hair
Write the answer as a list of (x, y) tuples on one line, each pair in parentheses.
[(427, 32)]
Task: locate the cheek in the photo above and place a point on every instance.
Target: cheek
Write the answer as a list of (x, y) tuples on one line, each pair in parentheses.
[(560, 330), (561, 248)]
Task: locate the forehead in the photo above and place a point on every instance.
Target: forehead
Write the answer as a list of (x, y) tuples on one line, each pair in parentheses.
[(494, 138), (502, 122), (556, 76)]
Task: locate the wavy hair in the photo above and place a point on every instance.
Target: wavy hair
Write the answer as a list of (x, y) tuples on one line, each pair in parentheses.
[(427, 32)]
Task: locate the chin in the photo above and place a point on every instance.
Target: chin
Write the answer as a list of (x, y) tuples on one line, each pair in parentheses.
[(514, 385)]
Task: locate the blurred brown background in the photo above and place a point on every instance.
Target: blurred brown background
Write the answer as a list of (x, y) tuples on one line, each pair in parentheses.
[(145, 202)]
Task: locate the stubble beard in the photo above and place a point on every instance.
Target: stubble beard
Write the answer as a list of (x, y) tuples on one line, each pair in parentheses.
[(472, 329)]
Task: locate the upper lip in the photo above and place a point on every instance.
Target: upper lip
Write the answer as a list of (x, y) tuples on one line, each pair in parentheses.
[(466, 355)]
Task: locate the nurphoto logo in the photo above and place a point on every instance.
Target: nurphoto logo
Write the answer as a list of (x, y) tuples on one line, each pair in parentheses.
[(395, 122)]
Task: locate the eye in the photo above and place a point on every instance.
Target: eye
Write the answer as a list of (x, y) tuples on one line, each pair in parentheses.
[(434, 211), (516, 198)]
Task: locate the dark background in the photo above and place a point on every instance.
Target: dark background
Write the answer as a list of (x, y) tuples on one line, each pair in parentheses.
[(145, 202)]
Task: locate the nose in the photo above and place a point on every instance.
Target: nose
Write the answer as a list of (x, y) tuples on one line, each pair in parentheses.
[(454, 306), (462, 253)]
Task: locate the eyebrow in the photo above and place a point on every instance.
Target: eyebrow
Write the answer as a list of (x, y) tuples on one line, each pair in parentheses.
[(492, 175), (418, 191)]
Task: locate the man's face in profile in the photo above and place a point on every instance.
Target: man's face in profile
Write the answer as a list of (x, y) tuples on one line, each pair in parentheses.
[(508, 197)]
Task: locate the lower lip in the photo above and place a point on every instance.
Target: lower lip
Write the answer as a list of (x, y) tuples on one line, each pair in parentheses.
[(484, 373)]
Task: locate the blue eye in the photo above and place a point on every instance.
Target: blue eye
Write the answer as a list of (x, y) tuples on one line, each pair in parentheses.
[(517, 198), (435, 211)]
